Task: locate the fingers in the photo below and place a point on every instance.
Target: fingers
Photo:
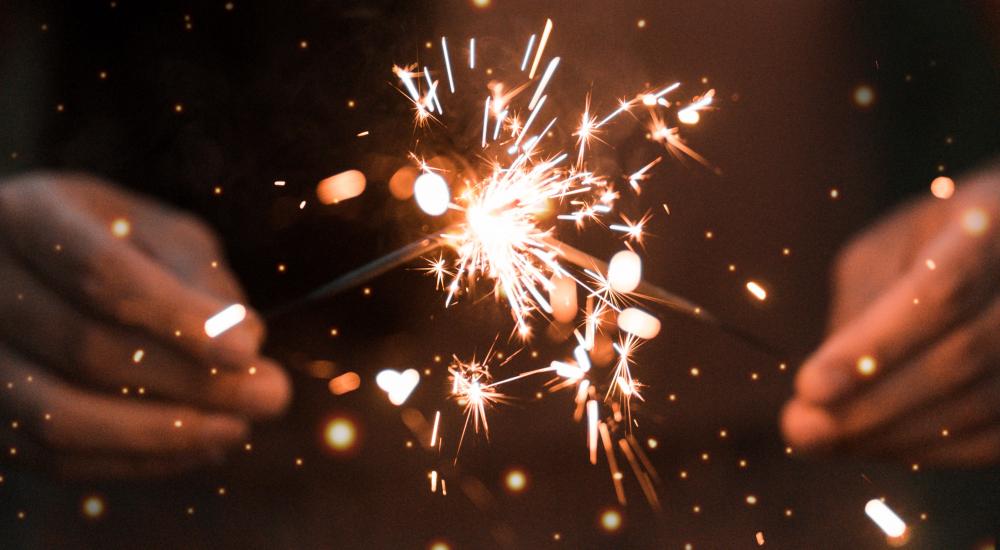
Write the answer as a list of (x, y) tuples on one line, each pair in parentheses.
[(70, 420), (79, 254), (38, 322), (964, 356), (20, 449), (978, 450), (894, 328), (954, 419)]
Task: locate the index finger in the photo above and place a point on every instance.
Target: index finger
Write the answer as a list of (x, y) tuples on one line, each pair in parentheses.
[(951, 279), (82, 256)]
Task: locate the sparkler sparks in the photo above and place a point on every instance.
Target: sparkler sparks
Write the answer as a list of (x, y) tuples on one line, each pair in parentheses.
[(505, 220)]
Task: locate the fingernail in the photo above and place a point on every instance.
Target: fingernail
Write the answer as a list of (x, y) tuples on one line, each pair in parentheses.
[(822, 382), (221, 430), (267, 392), (808, 428)]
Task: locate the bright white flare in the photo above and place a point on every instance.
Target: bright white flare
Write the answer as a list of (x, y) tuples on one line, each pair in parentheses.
[(625, 271), (638, 323), (398, 385), (885, 518), (225, 320), (432, 194)]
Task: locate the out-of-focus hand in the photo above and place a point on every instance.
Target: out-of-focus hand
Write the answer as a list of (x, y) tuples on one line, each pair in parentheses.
[(911, 369), (105, 366)]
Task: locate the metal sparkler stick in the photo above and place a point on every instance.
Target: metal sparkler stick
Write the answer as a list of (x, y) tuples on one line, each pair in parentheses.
[(672, 301)]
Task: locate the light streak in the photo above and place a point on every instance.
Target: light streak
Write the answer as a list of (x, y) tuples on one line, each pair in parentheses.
[(527, 53), (543, 82), (434, 431), (472, 53), (541, 48), (758, 291), (447, 64), (885, 518), (225, 320)]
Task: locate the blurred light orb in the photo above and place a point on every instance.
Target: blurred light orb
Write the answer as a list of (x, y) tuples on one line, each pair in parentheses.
[(401, 183), (340, 434), (867, 365), (93, 506), (481, 3), (340, 187), (432, 194), (625, 271), (864, 96), (611, 520), (638, 323), (943, 187), (345, 383), (562, 298), (121, 228), (975, 221), (516, 480)]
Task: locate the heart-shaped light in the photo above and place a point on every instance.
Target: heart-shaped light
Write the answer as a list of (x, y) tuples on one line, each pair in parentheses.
[(399, 385)]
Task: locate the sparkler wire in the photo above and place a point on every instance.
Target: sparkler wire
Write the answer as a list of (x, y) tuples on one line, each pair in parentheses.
[(402, 256)]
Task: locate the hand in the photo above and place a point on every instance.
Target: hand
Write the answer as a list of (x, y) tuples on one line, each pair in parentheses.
[(105, 366), (911, 370)]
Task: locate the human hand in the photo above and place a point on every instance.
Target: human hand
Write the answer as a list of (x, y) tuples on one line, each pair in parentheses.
[(911, 369), (105, 364)]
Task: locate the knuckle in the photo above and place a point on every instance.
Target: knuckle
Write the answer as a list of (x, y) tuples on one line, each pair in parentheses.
[(192, 229)]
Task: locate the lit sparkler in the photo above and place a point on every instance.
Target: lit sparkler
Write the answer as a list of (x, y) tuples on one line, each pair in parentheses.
[(506, 218)]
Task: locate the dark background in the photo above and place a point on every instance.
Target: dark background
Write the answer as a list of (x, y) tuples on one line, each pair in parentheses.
[(258, 107)]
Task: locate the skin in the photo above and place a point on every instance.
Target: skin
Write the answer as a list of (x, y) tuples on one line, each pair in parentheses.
[(934, 395), (78, 301)]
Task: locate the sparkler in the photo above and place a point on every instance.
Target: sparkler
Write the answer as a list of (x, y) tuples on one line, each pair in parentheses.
[(506, 216)]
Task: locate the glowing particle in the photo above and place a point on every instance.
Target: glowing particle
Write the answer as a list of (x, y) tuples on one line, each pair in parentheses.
[(757, 290), (178, 423), (432, 194), (625, 271), (138, 355), (279, 183), (341, 187), (885, 518), (641, 23), (639, 323), (943, 187), (751, 500), (398, 385), (652, 443), (340, 435), (481, 3), (760, 538), (975, 221), (931, 264), (863, 96), (611, 520), (121, 228), (688, 116), (93, 506), (866, 365), (178, 108), (225, 320), (562, 298), (345, 383), (834, 193), (516, 480)]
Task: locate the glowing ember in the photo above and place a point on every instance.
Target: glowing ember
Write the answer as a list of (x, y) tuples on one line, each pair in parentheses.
[(225, 320), (885, 518)]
